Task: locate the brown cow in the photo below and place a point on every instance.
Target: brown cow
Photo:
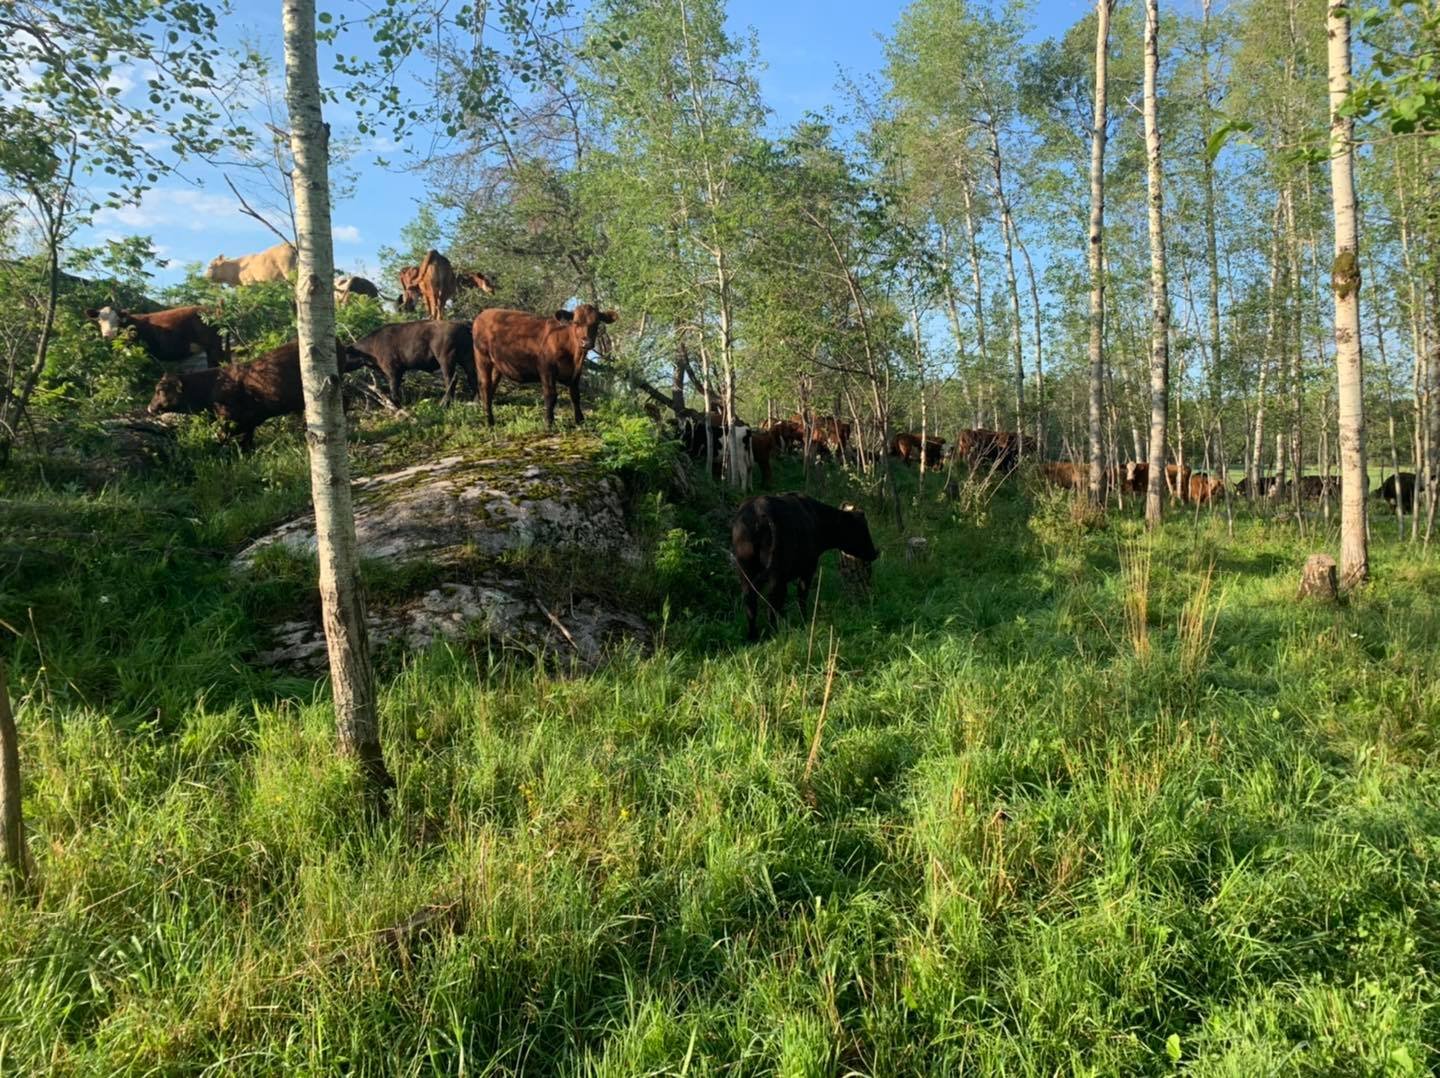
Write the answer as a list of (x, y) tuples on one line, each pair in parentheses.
[(1201, 486), (789, 434), (242, 395), (170, 336), (409, 287), (994, 449), (436, 283), (420, 346), (907, 448), (1062, 473), (527, 349), (777, 538), (347, 285), (1177, 481), (763, 445), (482, 281)]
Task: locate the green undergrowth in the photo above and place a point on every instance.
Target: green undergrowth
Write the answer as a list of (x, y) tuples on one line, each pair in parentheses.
[(1030, 836)]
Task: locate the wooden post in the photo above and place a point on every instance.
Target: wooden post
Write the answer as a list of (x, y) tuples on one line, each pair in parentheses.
[(12, 822)]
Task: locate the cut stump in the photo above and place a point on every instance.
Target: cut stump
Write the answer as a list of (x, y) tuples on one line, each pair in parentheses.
[(1317, 580)]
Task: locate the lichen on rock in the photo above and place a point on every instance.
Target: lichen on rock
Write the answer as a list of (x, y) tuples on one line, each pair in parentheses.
[(468, 515)]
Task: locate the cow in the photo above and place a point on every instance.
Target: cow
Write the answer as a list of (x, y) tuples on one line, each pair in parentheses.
[(347, 285), (436, 283), (482, 282), (525, 349), (409, 287), (1313, 486), (763, 447), (1404, 484), (1177, 480), (1204, 489), (420, 346), (1267, 486), (788, 434), (272, 264), (169, 336), (993, 449), (907, 448), (242, 395), (702, 433), (777, 538), (1062, 473)]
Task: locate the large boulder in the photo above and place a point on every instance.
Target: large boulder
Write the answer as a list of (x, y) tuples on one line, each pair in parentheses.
[(468, 519)]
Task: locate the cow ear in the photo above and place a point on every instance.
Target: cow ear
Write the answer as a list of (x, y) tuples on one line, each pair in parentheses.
[(91, 312), (608, 316), (563, 316)]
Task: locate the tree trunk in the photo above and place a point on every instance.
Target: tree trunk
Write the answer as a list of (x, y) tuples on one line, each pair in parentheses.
[(1097, 235), (342, 598), (1159, 290), (1345, 280), (1007, 227), (1039, 349), (978, 285), (1271, 317)]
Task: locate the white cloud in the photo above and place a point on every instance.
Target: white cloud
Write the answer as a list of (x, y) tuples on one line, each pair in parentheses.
[(178, 208), (346, 234)]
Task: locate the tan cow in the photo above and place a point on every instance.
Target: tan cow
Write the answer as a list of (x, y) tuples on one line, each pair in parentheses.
[(273, 264)]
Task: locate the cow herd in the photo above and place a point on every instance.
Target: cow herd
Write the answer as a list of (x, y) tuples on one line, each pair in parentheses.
[(498, 343)]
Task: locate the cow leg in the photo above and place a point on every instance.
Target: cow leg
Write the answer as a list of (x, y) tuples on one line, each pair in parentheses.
[(447, 375), (394, 375), (575, 398), (752, 612), (777, 600), (487, 390), (547, 389)]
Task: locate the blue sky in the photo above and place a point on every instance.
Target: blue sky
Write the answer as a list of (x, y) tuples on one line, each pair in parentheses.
[(803, 45)]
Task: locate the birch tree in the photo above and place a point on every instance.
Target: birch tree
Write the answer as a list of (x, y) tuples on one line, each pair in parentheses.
[(1096, 256), (1345, 281), (341, 594), (1159, 291)]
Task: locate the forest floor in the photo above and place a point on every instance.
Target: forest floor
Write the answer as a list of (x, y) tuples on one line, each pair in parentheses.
[(1073, 801)]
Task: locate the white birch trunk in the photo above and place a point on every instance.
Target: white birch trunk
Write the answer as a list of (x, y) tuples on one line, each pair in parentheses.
[(342, 598), (1159, 291), (1097, 234), (1345, 280)]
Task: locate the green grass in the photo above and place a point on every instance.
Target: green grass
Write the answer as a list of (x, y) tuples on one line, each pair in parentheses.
[(1023, 849)]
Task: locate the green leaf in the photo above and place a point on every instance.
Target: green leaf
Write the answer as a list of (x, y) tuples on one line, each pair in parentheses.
[(1403, 1061), (1172, 1047), (325, 17), (1222, 135)]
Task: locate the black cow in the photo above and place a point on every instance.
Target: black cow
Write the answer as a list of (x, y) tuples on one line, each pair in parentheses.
[(419, 346), (1405, 482), (777, 538)]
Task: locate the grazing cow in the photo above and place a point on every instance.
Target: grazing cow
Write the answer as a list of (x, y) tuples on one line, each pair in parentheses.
[(696, 428), (272, 264), (242, 395), (525, 348), (789, 434), (1062, 473), (409, 287), (763, 446), (1313, 486), (347, 285), (907, 448), (1177, 481), (994, 449), (1137, 476), (169, 336), (1204, 489), (777, 538), (1404, 484), (420, 346), (437, 283)]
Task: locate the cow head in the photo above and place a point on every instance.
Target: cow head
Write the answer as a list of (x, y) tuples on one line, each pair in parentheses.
[(584, 325), (483, 281), (855, 535), (169, 395), (109, 319)]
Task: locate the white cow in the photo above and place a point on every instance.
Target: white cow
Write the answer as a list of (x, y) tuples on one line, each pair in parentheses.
[(273, 264)]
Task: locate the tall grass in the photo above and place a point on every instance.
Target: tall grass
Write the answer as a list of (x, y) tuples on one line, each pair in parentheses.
[(1006, 848)]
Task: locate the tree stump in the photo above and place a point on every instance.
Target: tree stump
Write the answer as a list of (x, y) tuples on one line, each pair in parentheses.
[(917, 549), (1317, 581), (855, 574)]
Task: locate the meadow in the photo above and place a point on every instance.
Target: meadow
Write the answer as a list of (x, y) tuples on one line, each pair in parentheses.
[(1059, 798)]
